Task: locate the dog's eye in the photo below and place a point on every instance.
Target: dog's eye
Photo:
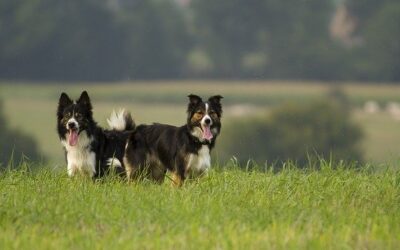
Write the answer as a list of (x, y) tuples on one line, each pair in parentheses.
[(78, 115), (198, 115), (213, 114)]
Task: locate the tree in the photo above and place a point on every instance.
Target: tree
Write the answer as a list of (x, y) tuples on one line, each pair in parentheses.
[(363, 10), (228, 30), (286, 39), (156, 38), (382, 46), (91, 40), (378, 57)]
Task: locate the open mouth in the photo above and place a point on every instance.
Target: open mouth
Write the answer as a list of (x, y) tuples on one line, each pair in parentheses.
[(207, 135), (72, 137)]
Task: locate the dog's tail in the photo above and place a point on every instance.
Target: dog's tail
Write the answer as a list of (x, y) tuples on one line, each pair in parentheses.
[(121, 121)]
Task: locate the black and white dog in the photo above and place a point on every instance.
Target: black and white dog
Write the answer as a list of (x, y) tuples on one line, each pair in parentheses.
[(89, 149), (185, 151)]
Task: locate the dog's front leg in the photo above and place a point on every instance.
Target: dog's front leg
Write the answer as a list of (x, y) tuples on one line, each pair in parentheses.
[(178, 175), (177, 180)]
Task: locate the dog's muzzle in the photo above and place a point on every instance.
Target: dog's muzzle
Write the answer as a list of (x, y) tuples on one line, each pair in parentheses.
[(73, 135)]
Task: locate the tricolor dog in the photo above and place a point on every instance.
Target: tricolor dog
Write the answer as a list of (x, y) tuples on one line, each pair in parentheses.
[(151, 150), (89, 149)]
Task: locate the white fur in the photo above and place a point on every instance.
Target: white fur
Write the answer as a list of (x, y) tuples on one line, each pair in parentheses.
[(206, 116), (203, 123), (73, 120), (198, 133), (199, 163), (114, 162), (117, 120), (80, 158)]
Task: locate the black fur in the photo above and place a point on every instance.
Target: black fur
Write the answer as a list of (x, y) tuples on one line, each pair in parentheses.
[(105, 144), (154, 149)]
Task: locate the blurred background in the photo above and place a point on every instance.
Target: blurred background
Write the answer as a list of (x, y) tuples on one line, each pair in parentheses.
[(301, 78)]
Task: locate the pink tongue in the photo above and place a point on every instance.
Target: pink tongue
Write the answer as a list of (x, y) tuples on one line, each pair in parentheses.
[(207, 133), (73, 137)]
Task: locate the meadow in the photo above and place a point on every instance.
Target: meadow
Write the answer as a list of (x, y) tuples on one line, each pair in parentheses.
[(31, 107), (326, 207), (332, 208)]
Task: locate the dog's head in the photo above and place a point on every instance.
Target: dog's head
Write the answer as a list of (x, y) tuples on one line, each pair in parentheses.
[(204, 117), (74, 117)]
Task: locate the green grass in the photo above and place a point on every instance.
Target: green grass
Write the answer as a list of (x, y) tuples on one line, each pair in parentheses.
[(229, 209)]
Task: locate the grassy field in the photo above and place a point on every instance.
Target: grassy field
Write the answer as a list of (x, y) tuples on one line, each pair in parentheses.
[(332, 208), (165, 102), (231, 209)]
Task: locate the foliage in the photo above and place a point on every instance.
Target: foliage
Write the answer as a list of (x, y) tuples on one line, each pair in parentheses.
[(90, 40), (377, 57), (227, 30), (297, 132), (382, 44), (16, 146), (363, 10), (271, 38), (156, 39), (153, 39)]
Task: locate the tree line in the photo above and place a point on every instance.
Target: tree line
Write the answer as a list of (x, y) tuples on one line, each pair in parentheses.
[(90, 40)]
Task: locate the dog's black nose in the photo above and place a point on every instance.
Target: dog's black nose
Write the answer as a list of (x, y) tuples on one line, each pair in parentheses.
[(207, 121), (71, 125)]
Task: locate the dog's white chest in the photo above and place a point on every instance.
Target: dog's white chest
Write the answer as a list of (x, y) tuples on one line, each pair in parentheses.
[(199, 163), (80, 159)]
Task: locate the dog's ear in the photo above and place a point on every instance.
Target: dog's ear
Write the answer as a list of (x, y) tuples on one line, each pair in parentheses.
[(215, 99), (194, 100), (85, 100), (64, 101), (216, 102)]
